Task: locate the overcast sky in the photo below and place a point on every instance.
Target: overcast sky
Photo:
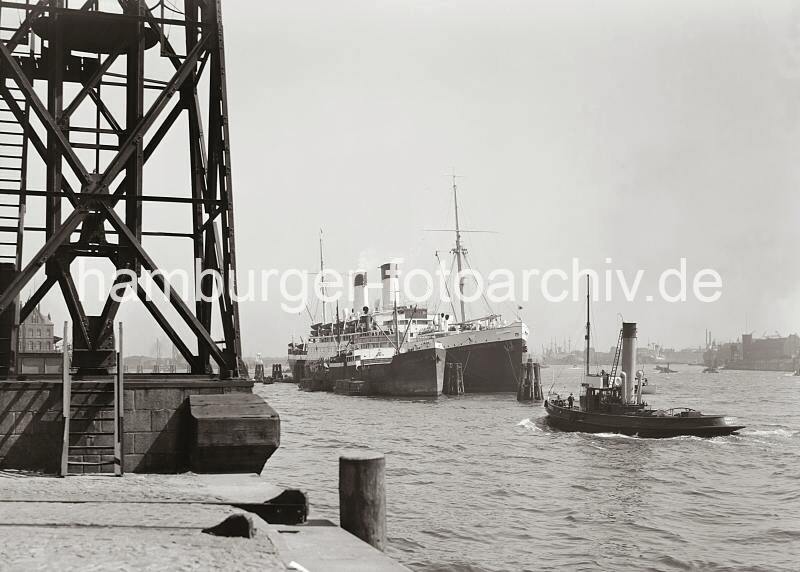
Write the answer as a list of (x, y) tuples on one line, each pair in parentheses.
[(640, 131)]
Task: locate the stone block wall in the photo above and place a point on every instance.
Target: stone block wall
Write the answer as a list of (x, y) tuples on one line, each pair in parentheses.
[(157, 427), (31, 426)]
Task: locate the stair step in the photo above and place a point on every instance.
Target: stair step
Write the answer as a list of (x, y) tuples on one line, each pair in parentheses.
[(90, 463), (92, 447), (90, 433), (87, 420)]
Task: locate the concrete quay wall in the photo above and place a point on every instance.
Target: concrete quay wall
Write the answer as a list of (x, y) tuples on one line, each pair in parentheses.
[(158, 436)]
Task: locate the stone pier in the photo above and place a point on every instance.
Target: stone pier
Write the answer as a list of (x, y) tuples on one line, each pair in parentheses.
[(161, 433)]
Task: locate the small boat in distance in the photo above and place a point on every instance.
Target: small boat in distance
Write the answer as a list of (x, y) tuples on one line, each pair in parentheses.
[(665, 369), (614, 407)]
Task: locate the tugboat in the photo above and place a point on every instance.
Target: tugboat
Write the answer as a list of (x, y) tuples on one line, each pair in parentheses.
[(616, 408), (665, 369)]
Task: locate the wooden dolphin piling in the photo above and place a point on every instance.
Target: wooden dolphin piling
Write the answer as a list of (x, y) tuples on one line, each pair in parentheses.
[(362, 496)]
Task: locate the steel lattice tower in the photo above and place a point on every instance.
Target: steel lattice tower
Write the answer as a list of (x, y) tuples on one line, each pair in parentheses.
[(175, 49)]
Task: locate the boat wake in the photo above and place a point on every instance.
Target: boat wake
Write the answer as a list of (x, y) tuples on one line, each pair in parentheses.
[(676, 438), (528, 424), (615, 436), (787, 433)]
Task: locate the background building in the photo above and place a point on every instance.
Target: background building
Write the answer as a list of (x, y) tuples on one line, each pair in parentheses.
[(37, 346), (773, 353), (36, 334)]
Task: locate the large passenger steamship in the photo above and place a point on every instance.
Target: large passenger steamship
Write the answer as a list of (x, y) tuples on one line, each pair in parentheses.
[(490, 350), (373, 346)]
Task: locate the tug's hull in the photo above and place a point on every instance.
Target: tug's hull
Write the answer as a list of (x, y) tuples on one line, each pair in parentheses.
[(572, 419)]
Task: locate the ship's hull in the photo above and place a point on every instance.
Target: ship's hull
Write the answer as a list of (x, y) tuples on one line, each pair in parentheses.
[(418, 373), (490, 358), (489, 367), (297, 365), (573, 419)]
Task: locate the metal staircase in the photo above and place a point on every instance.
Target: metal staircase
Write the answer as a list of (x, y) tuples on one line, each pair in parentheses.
[(93, 421), (13, 149), (13, 167), (617, 353)]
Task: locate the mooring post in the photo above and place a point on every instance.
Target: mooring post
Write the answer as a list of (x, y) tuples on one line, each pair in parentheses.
[(362, 496), (537, 382), (525, 389)]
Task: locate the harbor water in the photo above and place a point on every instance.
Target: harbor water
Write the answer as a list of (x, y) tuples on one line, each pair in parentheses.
[(477, 482)]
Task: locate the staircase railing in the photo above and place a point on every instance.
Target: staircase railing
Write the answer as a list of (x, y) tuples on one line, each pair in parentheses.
[(119, 409), (66, 380)]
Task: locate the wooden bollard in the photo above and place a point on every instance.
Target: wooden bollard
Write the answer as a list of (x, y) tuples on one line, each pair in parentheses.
[(537, 382), (362, 496)]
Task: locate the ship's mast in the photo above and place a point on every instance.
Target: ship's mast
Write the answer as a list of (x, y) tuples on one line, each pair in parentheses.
[(322, 275), (396, 327), (588, 322), (459, 252)]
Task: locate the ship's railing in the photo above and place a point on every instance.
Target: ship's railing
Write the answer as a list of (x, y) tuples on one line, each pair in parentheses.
[(349, 337), (675, 411)]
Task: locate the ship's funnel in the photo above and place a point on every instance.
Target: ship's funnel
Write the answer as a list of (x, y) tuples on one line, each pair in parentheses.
[(628, 358), (389, 285), (360, 299)]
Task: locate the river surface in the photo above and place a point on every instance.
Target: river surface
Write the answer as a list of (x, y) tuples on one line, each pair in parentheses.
[(477, 482)]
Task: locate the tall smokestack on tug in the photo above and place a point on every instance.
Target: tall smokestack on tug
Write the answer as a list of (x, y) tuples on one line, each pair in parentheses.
[(389, 285), (628, 359)]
